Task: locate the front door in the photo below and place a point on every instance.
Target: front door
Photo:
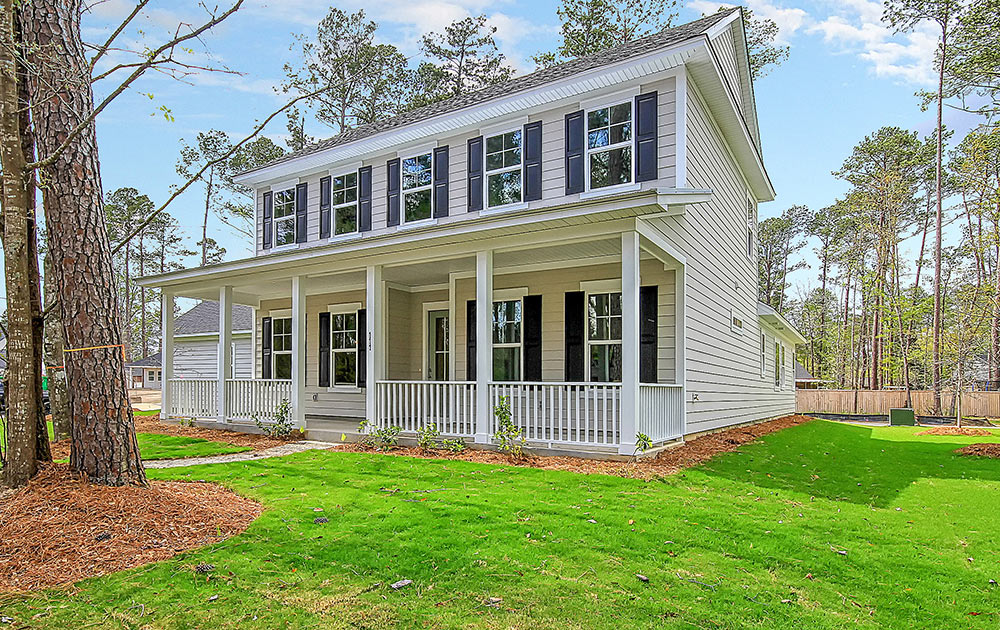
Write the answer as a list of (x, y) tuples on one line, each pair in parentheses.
[(437, 345)]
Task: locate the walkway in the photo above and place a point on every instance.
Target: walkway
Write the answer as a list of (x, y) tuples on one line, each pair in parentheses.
[(274, 451)]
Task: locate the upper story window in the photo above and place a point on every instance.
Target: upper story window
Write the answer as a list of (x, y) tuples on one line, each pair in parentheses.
[(503, 169), (281, 347), (507, 315), (284, 217), (417, 183), (604, 336), (344, 201), (609, 146)]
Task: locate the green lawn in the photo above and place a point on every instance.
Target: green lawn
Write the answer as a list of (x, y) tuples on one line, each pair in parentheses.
[(156, 446), (820, 526)]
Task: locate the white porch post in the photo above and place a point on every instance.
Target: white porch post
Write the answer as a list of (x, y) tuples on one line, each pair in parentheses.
[(299, 351), (166, 352), (630, 342), (484, 344), (374, 340), (225, 354), (680, 338)]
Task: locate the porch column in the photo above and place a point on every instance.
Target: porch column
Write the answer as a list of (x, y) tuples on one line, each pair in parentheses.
[(225, 354), (166, 352), (374, 339), (299, 351), (680, 338), (484, 344), (630, 342)]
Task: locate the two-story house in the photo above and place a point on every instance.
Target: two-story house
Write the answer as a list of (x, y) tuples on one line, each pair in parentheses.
[(579, 240)]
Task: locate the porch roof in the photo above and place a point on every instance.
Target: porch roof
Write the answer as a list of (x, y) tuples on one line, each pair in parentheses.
[(779, 323)]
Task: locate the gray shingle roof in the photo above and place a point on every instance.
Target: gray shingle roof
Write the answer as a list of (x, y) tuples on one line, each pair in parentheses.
[(203, 318), (152, 360), (802, 374), (639, 47)]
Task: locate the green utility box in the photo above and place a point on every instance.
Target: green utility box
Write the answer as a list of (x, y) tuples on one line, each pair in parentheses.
[(902, 418)]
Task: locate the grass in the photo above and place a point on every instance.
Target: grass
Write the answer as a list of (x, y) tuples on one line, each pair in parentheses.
[(820, 526)]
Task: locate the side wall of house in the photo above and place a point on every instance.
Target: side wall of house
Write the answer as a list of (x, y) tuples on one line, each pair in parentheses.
[(197, 358)]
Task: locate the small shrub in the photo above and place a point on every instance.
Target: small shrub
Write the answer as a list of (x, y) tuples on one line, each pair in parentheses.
[(508, 437), (642, 444), (281, 426), (427, 437), (385, 439), (185, 422), (456, 445)]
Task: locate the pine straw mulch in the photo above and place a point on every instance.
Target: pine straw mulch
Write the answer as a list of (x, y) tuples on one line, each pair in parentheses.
[(955, 431), (150, 424), (61, 529), (666, 462), (980, 450)]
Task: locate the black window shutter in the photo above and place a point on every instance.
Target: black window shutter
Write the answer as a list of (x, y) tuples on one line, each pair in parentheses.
[(533, 338), (301, 212), (533, 161), (268, 217), (441, 182), (324, 207), (265, 347), (647, 334), (470, 340), (575, 137), (475, 187), (392, 191), (364, 199), (575, 330), (362, 363), (324, 349), (645, 137)]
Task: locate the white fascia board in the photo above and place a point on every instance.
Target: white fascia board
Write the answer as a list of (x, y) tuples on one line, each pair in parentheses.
[(720, 26), (473, 117), (783, 328)]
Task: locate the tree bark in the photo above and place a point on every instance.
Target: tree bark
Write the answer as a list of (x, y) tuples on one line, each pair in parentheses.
[(936, 343), (58, 396), (104, 445)]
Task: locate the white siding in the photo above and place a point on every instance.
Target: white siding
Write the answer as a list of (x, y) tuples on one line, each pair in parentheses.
[(197, 357)]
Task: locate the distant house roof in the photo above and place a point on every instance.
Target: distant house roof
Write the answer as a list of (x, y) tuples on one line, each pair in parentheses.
[(203, 318), (803, 375), (629, 50), (152, 360)]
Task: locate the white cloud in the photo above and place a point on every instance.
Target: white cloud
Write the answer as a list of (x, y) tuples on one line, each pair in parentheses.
[(789, 19)]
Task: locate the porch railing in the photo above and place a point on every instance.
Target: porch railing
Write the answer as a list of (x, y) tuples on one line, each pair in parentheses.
[(247, 398), (193, 398), (412, 405), (661, 411), (568, 413)]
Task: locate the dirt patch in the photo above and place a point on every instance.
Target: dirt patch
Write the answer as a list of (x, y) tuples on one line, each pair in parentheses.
[(666, 462), (955, 431), (61, 529), (980, 450)]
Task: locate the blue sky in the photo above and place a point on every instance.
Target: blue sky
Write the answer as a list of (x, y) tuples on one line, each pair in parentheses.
[(847, 76)]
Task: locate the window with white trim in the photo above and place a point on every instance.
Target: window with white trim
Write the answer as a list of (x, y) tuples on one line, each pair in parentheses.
[(283, 220), (281, 347), (504, 178), (507, 316), (777, 364), (604, 337), (763, 355), (735, 322), (344, 348), (418, 180), (609, 146), (781, 377), (344, 203)]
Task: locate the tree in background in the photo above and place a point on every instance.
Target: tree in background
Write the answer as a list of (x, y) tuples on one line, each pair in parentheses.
[(591, 26), (239, 210), (778, 239), (464, 58), (126, 208), (761, 34), (973, 66), (209, 149)]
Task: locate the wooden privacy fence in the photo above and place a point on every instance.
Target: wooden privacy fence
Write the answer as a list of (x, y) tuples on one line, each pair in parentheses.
[(866, 402)]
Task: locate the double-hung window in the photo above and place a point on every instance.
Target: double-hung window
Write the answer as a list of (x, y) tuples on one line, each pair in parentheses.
[(417, 183), (779, 364), (281, 347), (507, 315), (763, 355), (344, 203), (284, 217), (604, 336), (503, 169), (609, 146), (344, 348)]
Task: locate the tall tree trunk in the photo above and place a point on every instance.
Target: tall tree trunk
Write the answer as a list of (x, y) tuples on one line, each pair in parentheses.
[(204, 222), (104, 445), (58, 396), (936, 343)]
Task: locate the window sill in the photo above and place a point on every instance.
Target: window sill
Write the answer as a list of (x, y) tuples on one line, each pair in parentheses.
[(344, 389), (340, 238), (412, 225), (610, 190), (514, 207), (285, 248)]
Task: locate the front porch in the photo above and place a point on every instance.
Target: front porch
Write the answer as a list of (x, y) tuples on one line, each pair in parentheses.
[(585, 339)]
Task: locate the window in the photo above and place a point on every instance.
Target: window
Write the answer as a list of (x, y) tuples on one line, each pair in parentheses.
[(417, 181), (778, 367), (609, 145), (284, 217), (344, 203), (604, 336), (763, 354), (751, 225), (782, 375), (344, 348), (503, 169), (735, 322), (507, 340), (281, 347)]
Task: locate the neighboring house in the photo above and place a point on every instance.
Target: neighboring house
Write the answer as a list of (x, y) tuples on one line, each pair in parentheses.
[(196, 347), (580, 241), (804, 379)]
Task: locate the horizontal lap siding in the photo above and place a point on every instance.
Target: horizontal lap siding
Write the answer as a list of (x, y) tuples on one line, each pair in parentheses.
[(405, 332), (198, 358)]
